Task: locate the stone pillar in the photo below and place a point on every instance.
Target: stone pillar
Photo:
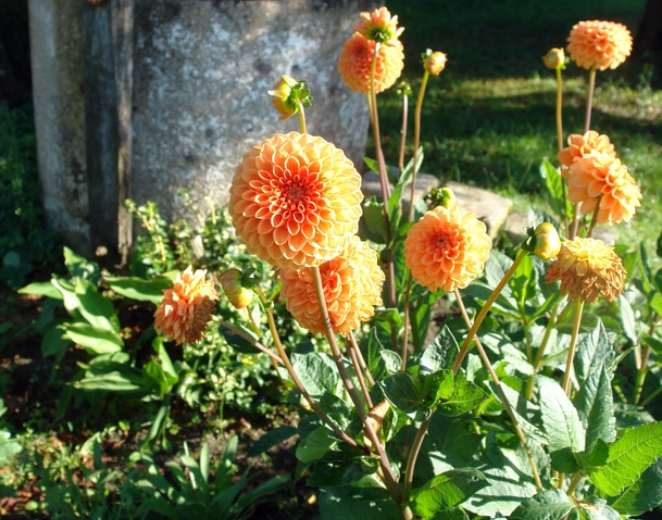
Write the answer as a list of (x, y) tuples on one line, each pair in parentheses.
[(197, 75), (57, 83)]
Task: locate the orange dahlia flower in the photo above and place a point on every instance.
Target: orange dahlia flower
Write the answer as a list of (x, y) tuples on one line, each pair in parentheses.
[(355, 62), (600, 178), (447, 248), (295, 200), (352, 287), (603, 45), (581, 145), (186, 308), (588, 268), (379, 26)]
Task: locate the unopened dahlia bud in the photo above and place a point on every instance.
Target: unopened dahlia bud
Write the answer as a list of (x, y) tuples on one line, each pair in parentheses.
[(554, 59), (434, 62), (440, 197), (232, 282), (545, 242), (288, 94)]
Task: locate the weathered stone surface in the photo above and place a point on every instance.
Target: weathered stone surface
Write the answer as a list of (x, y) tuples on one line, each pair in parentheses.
[(57, 79), (201, 72)]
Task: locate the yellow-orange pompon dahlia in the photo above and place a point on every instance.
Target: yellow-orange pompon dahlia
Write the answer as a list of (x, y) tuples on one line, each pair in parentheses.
[(603, 45), (352, 287), (379, 26), (601, 177), (295, 200), (355, 62), (186, 308), (447, 248), (588, 268), (580, 145)]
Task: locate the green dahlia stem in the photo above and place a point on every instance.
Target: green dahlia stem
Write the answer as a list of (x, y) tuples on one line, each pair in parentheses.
[(537, 362), (405, 337), (413, 456), (559, 108), (594, 218), (302, 118), (483, 311), (352, 342), (589, 104), (417, 138), (295, 377), (389, 477), (359, 374), (502, 395), (403, 135), (567, 381)]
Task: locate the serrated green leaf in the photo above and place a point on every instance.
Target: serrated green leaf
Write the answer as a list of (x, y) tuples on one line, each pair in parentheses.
[(373, 222), (559, 417), (438, 386), (446, 491), (552, 504), (318, 373), (420, 313), (626, 315), (466, 396), (139, 289), (643, 494), (629, 456), (593, 350), (350, 503), (271, 439), (440, 353), (595, 407), (337, 410), (336, 469), (406, 393)]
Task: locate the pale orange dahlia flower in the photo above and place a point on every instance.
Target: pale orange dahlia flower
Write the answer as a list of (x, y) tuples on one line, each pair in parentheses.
[(600, 178), (352, 287), (379, 26), (295, 200), (355, 62), (186, 308), (447, 248), (588, 268), (603, 45), (580, 145)]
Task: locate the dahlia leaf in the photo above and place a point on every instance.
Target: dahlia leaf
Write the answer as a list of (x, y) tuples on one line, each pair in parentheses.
[(595, 406), (593, 350), (629, 456), (406, 393), (271, 439), (466, 396), (446, 491), (350, 503), (560, 419), (440, 353), (641, 495), (552, 504), (139, 289)]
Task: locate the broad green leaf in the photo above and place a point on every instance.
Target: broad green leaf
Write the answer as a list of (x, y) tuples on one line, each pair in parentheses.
[(271, 439), (552, 504), (350, 503), (643, 494), (466, 396), (440, 353), (139, 289), (80, 267), (54, 341), (420, 314), (373, 223), (523, 282), (337, 410), (559, 417), (69, 296), (238, 342), (96, 341), (42, 289), (95, 308), (318, 373), (438, 386), (525, 412), (113, 379), (553, 183), (446, 491), (593, 349), (407, 393), (314, 446), (8, 447), (595, 407), (627, 319), (336, 469), (629, 456)]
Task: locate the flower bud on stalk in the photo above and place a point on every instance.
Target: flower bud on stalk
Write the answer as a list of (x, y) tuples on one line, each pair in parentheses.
[(434, 62), (440, 197), (544, 241), (233, 283), (554, 59), (288, 94)]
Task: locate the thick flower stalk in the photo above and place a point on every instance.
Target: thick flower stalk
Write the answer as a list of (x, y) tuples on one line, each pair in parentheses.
[(447, 248), (296, 200), (603, 184), (355, 63), (352, 284), (598, 44), (587, 269), (186, 308), (582, 145)]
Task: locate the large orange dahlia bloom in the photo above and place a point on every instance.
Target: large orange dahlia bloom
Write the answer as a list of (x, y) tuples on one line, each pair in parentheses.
[(603, 45), (601, 178), (355, 62), (447, 248), (295, 200), (588, 268), (186, 308), (580, 145), (352, 287)]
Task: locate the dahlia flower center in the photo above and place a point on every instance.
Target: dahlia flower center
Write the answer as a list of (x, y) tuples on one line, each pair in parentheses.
[(447, 243)]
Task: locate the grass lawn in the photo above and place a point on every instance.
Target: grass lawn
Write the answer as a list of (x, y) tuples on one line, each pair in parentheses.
[(488, 120)]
